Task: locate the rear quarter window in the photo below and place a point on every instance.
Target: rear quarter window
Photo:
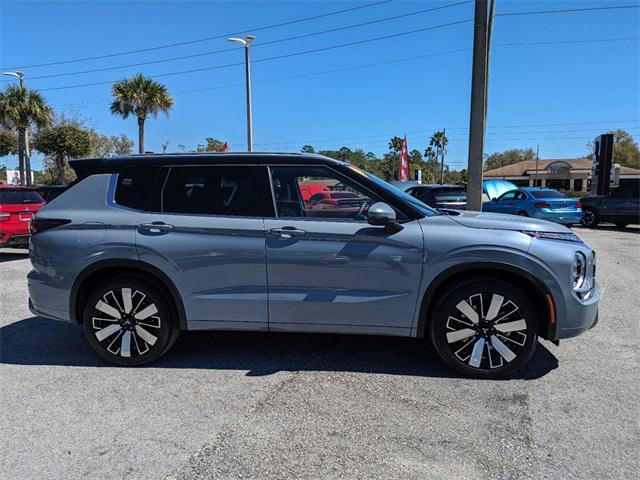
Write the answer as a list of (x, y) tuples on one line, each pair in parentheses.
[(134, 188)]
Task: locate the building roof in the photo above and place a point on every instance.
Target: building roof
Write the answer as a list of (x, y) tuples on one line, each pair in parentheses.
[(520, 169)]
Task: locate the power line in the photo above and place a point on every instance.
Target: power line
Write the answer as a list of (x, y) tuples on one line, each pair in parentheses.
[(355, 67), (566, 10), (255, 45), (278, 57), (205, 39)]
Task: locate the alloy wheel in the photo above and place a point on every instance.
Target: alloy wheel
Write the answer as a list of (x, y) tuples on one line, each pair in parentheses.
[(126, 323), (486, 331)]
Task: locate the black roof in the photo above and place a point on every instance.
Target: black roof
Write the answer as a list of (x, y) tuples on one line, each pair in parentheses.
[(88, 166)]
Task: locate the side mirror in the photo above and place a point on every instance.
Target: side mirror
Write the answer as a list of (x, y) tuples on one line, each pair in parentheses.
[(382, 215)]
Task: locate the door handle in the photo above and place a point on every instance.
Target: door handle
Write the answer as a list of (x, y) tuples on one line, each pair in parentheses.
[(287, 232), (156, 227)]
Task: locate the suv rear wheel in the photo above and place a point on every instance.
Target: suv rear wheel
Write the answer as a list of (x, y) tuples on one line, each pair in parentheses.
[(485, 328), (128, 321)]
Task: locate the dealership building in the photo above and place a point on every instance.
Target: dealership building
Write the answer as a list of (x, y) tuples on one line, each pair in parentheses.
[(564, 174)]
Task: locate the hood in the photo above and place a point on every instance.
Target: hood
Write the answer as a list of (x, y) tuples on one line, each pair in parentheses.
[(497, 221)]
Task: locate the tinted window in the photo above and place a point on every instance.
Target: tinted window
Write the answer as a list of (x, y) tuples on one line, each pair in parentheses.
[(214, 190), (12, 197), (508, 196), (134, 186), (350, 203), (547, 194)]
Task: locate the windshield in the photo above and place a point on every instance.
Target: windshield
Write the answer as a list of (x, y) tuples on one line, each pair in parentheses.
[(547, 194), (405, 197), (14, 197)]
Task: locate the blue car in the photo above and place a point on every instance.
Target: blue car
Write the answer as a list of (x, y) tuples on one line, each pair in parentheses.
[(543, 203)]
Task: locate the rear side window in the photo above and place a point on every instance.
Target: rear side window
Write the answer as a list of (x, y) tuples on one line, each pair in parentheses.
[(134, 186), (19, 197), (212, 190)]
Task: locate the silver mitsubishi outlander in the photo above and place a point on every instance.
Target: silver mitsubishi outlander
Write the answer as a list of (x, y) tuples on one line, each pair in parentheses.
[(142, 247)]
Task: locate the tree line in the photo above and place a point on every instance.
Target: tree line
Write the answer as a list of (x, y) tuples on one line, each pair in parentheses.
[(28, 122)]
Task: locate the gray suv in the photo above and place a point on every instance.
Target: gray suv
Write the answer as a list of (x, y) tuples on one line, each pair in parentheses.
[(144, 246)]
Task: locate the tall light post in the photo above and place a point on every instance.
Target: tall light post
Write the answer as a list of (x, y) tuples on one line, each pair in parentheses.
[(245, 42), (20, 76)]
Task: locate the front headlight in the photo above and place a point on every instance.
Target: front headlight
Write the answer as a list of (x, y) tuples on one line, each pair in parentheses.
[(579, 270)]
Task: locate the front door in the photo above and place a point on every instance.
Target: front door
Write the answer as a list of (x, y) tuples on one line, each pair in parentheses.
[(208, 237), (328, 269)]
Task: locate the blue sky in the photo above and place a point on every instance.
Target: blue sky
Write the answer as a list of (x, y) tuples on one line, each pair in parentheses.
[(590, 87)]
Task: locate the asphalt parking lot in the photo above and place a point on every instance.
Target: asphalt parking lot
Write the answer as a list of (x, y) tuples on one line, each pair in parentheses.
[(234, 405)]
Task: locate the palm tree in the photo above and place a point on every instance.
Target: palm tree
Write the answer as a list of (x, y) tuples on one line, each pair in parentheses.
[(440, 141), (140, 96), (19, 108)]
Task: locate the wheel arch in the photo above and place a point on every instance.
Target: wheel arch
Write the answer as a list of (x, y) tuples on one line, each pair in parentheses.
[(515, 275), (98, 271)]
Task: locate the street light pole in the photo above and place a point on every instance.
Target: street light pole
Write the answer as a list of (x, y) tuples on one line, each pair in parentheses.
[(20, 75), (247, 66)]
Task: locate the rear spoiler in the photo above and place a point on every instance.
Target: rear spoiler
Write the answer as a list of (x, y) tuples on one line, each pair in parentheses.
[(85, 167)]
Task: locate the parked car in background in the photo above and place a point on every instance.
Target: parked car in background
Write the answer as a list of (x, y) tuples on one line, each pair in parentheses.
[(18, 205), (49, 192), (404, 185), (441, 196), (147, 245), (543, 203), (621, 206), (494, 188)]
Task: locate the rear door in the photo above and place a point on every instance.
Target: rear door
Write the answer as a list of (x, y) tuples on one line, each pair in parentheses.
[(328, 269), (207, 235)]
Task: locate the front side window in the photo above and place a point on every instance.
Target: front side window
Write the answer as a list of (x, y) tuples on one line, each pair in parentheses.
[(341, 198), (211, 190), (508, 196)]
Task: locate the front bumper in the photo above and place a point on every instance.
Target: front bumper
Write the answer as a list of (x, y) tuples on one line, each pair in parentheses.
[(580, 316)]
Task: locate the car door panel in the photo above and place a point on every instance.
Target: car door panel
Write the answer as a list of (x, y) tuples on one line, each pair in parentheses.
[(217, 263), (341, 275)]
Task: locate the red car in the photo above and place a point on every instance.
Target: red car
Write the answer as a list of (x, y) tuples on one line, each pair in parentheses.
[(18, 205)]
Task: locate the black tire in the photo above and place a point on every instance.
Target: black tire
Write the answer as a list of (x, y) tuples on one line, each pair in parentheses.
[(523, 214), (589, 218), (484, 337), (147, 338)]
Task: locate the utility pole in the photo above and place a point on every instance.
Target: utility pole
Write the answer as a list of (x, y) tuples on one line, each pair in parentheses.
[(535, 178), (444, 136), (247, 69), (478, 107)]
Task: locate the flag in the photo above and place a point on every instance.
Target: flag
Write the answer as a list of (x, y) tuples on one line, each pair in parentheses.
[(225, 147), (404, 162)]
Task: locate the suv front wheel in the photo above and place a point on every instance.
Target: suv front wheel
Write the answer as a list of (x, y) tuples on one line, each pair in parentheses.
[(485, 328), (128, 321)]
